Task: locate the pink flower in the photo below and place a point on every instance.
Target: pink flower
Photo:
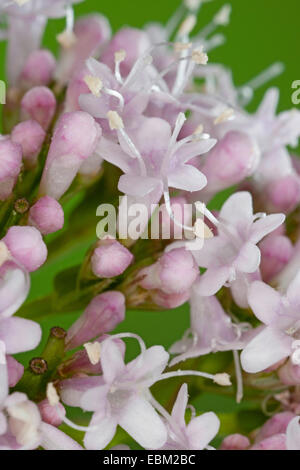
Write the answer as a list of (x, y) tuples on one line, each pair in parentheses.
[(110, 259), (10, 166), (234, 250), (279, 339), (30, 135), (46, 215), (39, 104), (197, 434)]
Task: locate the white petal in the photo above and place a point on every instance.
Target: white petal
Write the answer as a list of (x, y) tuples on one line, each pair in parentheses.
[(264, 301), (264, 226), (293, 292), (238, 208), (293, 435), (248, 260), (99, 439), (112, 360), (141, 421), (202, 430), (54, 439), (136, 185), (267, 348), (178, 411), (212, 281), (19, 334), (187, 178)]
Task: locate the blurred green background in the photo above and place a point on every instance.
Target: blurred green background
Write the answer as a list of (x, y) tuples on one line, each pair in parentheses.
[(260, 33)]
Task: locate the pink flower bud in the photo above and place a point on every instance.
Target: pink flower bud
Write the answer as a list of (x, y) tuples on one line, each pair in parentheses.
[(102, 315), (75, 138), (26, 246), (284, 194), (174, 273), (133, 41), (10, 165), (289, 374), (46, 215), (110, 259), (276, 252), (91, 32), (233, 158), (169, 301), (15, 370), (30, 135), (39, 68), (39, 104), (235, 442), (277, 442), (275, 425), (76, 87), (50, 414)]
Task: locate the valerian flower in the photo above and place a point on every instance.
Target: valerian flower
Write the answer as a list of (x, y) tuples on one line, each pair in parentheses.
[(280, 337)]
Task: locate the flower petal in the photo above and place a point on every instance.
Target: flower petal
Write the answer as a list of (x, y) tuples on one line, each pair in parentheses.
[(54, 439), (248, 260), (237, 209), (141, 421), (113, 154), (112, 360), (267, 348), (212, 280), (264, 226), (293, 292), (187, 178), (178, 411), (264, 301), (99, 439), (202, 430), (135, 185), (293, 434), (19, 334)]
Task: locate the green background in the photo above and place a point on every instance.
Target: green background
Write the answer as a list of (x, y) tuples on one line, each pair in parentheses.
[(260, 32)]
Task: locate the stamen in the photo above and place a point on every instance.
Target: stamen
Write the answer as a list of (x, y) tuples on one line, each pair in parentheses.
[(115, 121), (120, 56), (67, 38), (181, 46), (247, 91), (93, 352), (201, 207), (187, 26), (95, 84), (238, 376), (199, 56), (220, 19), (226, 115), (131, 335), (52, 394), (220, 379)]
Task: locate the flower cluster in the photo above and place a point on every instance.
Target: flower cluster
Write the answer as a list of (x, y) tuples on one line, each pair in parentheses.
[(144, 115)]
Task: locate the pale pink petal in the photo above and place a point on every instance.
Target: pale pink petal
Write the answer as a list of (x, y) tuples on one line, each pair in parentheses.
[(237, 208), (14, 287), (248, 260), (293, 292), (99, 439), (178, 411), (194, 149), (54, 439), (293, 435), (113, 154), (19, 334), (187, 178), (112, 360), (267, 348), (264, 226), (212, 280), (137, 185), (264, 301), (202, 430), (141, 421)]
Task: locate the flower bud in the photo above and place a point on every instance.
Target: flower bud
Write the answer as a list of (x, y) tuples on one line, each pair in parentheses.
[(102, 315), (50, 414), (276, 252), (39, 104), (91, 32), (110, 259), (169, 301), (26, 245), (10, 166), (174, 273), (234, 158), (275, 425), (39, 68), (289, 374), (277, 442), (46, 215), (30, 135), (133, 41), (283, 195), (235, 442), (75, 138), (15, 370)]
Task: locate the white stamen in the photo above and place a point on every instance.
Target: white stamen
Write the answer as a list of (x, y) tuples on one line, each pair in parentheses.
[(52, 394), (187, 26), (201, 230), (115, 120), (222, 18), (119, 57), (226, 115), (182, 46), (201, 207), (193, 5), (131, 335), (199, 130), (199, 56), (4, 253), (95, 84), (222, 379), (93, 352)]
